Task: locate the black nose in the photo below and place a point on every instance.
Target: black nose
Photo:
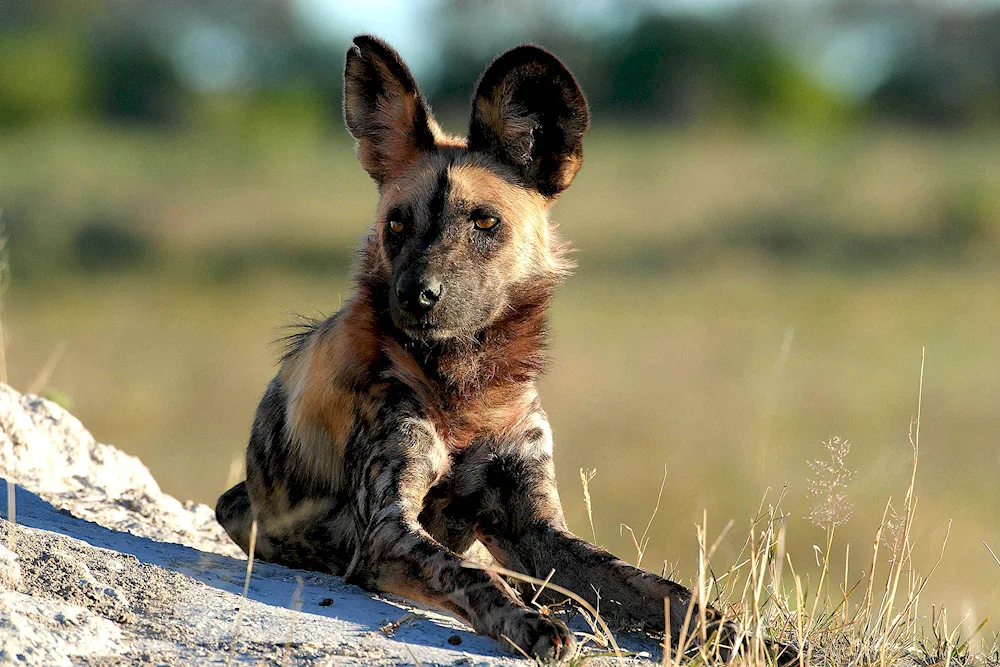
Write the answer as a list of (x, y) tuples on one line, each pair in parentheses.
[(419, 294)]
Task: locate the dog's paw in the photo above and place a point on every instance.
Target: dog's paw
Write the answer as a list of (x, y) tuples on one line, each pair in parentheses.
[(542, 638)]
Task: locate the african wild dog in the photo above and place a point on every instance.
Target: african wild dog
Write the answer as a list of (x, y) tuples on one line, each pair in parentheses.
[(407, 427)]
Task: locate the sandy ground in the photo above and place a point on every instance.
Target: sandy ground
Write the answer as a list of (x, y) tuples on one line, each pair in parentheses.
[(102, 568), (90, 595)]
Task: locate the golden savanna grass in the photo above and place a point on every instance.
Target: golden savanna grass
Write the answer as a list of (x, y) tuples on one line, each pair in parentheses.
[(873, 617)]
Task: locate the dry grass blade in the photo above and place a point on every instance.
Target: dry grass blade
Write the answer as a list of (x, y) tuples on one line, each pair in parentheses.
[(246, 589), (667, 635), (635, 543), (11, 514), (683, 638), (559, 589), (11, 486), (539, 589), (253, 545), (235, 473), (991, 552), (295, 605), (3, 350), (416, 660), (642, 543), (585, 478), (902, 550), (644, 540), (48, 368), (516, 647)]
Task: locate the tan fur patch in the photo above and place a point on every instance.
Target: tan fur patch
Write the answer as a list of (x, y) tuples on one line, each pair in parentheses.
[(322, 407), (567, 170), (442, 138), (533, 251)]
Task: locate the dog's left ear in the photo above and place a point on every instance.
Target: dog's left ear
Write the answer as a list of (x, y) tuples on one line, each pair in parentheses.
[(530, 113), (384, 109)]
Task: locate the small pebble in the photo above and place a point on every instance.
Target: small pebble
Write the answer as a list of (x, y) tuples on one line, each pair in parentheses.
[(455, 640), (326, 602)]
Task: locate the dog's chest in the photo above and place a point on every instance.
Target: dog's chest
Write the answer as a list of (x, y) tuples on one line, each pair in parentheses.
[(462, 421)]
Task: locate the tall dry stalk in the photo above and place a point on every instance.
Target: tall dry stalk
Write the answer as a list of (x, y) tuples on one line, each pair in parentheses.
[(246, 589), (295, 605), (11, 486), (586, 477), (642, 543)]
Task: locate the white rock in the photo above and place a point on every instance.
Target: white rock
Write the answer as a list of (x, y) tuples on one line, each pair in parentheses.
[(46, 450), (36, 631), (10, 571)]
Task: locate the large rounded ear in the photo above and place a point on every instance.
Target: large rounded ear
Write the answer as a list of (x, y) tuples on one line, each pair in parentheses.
[(383, 109), (529, 113)]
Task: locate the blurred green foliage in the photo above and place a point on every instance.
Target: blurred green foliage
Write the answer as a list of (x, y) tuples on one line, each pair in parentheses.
[(132, 81), (672, 69), (166, 63), (110, 245), (42, 77)]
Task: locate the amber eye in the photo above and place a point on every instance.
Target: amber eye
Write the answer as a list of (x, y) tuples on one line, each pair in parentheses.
[(486, 222), (396, 226)]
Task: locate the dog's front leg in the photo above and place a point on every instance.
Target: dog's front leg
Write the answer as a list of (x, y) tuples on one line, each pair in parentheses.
[(624, 594), (396, 555), (522, 525)]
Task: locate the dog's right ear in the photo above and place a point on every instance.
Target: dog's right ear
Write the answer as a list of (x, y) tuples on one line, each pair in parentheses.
[(383, 109), (530, 113)]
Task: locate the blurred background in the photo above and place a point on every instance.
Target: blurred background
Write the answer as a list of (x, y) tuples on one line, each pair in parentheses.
[(781, 203)]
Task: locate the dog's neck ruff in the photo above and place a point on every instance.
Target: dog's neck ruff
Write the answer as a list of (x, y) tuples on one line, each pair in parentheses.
[(509, 351)]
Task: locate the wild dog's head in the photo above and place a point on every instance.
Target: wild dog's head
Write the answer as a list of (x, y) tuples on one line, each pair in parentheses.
[(461, 228)]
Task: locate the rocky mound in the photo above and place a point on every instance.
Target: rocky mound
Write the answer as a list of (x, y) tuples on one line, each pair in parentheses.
[(46, 450)]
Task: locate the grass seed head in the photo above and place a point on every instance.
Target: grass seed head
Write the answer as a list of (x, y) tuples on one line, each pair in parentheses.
[(829, 505)]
